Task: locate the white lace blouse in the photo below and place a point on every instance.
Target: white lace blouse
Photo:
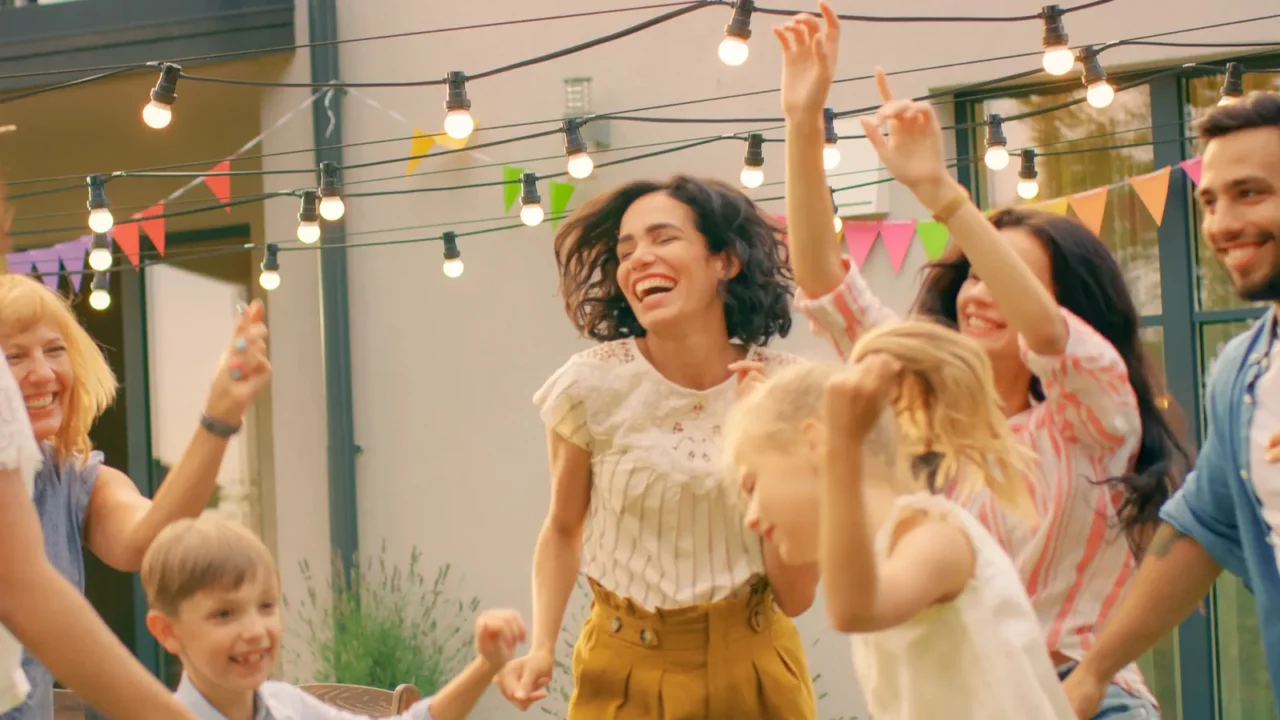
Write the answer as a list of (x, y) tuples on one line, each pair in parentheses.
[(18, 451), (661, 528)]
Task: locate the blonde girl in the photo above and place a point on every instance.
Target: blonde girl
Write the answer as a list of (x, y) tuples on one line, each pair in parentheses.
[(65, 384), (841, 463)]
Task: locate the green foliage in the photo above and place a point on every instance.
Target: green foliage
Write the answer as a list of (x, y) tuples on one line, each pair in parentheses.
[(385, 626)]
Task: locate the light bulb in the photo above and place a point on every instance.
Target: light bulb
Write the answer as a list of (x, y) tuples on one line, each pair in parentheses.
[(996, 157), (1058, 60), (100, 259), (100, 299), (157, 115), (837, 223), (332, 208), (1100, 94), (458, 124), (1028, 189), (269, 279), (580, 165), (531, 214), (830, 156), (452, 267), (101, 220), (751, 177), (308, 231), (734, 51)]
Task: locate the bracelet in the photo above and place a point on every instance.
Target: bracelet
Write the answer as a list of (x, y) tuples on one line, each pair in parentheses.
[(951, 207), (217, 428)]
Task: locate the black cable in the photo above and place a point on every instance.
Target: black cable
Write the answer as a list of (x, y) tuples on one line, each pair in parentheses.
[(63, 86), (937, 19)]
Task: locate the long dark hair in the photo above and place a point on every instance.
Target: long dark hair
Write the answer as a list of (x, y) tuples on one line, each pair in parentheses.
[(1088, 282), (757, 301)]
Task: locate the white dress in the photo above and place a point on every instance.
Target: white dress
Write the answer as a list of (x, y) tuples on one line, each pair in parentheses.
[(18, 451), (978, 657)]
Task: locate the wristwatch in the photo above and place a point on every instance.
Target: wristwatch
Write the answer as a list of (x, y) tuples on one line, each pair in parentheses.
[(217, 428)]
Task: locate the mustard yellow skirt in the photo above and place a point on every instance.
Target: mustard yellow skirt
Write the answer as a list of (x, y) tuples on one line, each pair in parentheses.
[(736, 659)]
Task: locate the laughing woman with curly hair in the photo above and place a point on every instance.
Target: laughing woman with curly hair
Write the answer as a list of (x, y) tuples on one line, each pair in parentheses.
[(682, 283)]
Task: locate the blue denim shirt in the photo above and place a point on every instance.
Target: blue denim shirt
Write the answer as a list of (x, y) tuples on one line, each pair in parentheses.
[(1217, 505)]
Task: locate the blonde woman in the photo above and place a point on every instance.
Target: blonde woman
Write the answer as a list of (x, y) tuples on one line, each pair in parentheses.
[(942, 626), (66, 384)]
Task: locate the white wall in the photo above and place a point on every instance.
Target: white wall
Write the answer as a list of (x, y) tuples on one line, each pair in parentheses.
[(443, 370)]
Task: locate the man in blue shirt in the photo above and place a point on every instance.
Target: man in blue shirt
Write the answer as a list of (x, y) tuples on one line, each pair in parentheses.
[(1227, 514)]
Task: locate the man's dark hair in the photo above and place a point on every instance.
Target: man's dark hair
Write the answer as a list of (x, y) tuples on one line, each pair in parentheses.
[(1255, 110)]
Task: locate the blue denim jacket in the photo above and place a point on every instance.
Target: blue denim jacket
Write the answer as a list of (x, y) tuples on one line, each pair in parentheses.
[(1217, 505)]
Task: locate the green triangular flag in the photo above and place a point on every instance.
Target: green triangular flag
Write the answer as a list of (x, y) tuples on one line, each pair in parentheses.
[(560, 194), (510, 186), (933, 236)]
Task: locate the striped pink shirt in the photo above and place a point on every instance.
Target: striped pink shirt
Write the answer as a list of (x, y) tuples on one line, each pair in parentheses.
[(1076, 562)]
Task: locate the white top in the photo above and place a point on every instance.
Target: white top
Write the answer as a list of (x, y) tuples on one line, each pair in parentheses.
[(281, 701), (18, 451), (661, 529), (978, 657), (1266, 420)]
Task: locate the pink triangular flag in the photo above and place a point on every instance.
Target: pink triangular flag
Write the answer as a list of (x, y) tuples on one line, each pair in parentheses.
[(897, 236), (152, 222), (19, 263), (125, 236), (1153, 191), (859, 236), (72, 254), (1192, 168), (46, 262), (220, 185), (1091, 207)]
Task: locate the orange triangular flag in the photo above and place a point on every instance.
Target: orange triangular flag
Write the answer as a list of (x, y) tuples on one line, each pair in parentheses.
[(152, 222), (1091, 206), (418, 149), (1057, 206), (125, 236), (220, 185), (1153, 191)]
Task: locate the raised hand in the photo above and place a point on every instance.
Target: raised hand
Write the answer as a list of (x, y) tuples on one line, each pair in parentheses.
[(809, 50), (244, 370), (524, 680), (498, 632), (749, 374), (913, 150)]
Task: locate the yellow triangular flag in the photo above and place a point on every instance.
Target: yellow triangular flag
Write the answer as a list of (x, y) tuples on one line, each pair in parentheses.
[(1153, 191), (446, 141), (1091, 207), (418, 148), (1057, 206)]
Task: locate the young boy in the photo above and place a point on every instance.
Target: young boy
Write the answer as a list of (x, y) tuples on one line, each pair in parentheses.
[(214, 596)]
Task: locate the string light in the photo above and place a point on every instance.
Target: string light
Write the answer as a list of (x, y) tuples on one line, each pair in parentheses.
[(1058, 58), (158, 113), (752, 175), (580, 163), (100, 252), (452, 256), (830, 153), (1028, 186), (100, 217), (734, 49), (100, 297), (331, 206), (997, 154), (1232, 84), (1099, 93), (308, 218), (269, 279), (530, 203), (458, 122), (837, 222)]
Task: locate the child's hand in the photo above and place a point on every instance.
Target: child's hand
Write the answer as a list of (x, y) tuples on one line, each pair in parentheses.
[(1273, 448), (749, 373), (809, 51), (497, 634), (854, 400)]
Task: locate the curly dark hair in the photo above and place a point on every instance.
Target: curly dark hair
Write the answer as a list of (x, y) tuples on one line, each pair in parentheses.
[(757, 300), (1087, 281)]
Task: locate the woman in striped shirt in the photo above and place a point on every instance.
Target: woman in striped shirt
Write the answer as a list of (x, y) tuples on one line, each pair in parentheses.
[(680, 282), (1048, 302)]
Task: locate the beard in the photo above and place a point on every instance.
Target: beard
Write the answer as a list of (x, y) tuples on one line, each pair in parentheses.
[(1268, 290)]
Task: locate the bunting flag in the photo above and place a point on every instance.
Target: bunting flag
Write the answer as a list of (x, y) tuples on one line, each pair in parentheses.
[(220, 185), (152, 222), (934, 237), (20, 263), (1153, 191), (510, 186), (560, 194), (1057, 206), (72, 254), (1091, 207), (1192, 168), (859, 236), (46, 263), (419, 147), (897, 236), (125, 236)]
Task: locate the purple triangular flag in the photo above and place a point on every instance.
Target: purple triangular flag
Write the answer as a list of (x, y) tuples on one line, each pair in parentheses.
[(47, 264), (19, 263), (72, 254)]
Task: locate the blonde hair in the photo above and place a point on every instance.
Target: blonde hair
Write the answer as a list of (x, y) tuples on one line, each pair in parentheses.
[(26, 303), (947, 407), (192, 555)]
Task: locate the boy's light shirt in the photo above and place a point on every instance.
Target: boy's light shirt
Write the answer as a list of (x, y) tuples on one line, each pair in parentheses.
[(18, 451), (282, 701)]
